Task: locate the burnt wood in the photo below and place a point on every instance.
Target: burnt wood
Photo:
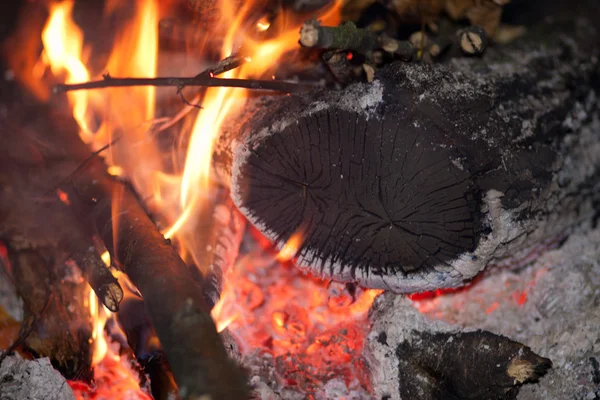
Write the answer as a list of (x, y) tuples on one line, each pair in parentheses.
[(466, 365), (420, 179), (413, 357), (174, 300), (42, 153), (57, 322)]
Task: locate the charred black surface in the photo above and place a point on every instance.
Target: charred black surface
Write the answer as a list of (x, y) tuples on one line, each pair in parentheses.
[(421, 178), (378, 193), (459, 366)]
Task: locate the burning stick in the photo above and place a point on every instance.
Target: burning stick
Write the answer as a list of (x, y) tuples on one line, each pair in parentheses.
[(95, 272), (173, 300), (199, 80), (419, 180)]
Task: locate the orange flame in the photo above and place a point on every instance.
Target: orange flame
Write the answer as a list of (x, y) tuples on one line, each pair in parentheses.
[(220, 102), (63, 45), (289, 312), (122, 113), (291, 247), (99, 315)]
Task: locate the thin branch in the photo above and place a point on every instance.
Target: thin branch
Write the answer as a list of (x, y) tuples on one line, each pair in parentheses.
[(206, 81)]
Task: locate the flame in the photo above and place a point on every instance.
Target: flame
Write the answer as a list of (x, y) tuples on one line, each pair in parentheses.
[(105, 256), (63, 45), (99, 315), (262, 25), (291, 247), (122, 112), (218, 103), (267, 305)]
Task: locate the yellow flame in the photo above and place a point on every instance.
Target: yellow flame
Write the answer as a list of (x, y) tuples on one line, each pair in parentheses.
[(106, 258), (123, 112), (218, 103), (63, 45), (262, 25), (99, 316), (291, 247)]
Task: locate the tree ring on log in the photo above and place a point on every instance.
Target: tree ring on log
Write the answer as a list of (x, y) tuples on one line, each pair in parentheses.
[(420, 179), (372, 196)]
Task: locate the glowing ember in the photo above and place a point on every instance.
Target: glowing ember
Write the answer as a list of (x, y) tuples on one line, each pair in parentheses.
[(115, 378), (315, 328)]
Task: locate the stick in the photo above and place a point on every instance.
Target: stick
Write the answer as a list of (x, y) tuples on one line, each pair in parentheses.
[(348, 37), (200, 80), (344, 37), (102, 281), (173, 300)]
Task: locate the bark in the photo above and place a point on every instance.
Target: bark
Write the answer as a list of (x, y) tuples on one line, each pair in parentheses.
[(420, 179), (173, 299), (55, 300)]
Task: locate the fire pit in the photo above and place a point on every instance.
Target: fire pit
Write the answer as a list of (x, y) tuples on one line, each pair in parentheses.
[(300, 199)]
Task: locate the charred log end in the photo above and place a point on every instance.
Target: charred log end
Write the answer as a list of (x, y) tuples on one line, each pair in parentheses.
[(473, 365), (376, 197)]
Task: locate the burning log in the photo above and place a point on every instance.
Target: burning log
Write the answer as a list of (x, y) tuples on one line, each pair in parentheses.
[(33, 223), (34, 218), (173, 299), (54, 306), (432, 360), (420, 179)]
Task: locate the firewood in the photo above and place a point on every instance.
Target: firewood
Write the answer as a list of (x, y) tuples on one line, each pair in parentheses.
[(43, 154), (173, 300), (413, 357), (486, 13), (54, 300), (420, 179), (141, 338)]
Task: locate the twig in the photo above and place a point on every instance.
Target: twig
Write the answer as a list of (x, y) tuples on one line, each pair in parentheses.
[(226, 64), (206, 81), (344, 37), (351, 38)]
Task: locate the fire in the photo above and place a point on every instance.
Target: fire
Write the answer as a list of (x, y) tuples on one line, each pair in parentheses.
[(315, 328), (265, 304), (99, 315), (63, 45), (291, 247), (220, 102)]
